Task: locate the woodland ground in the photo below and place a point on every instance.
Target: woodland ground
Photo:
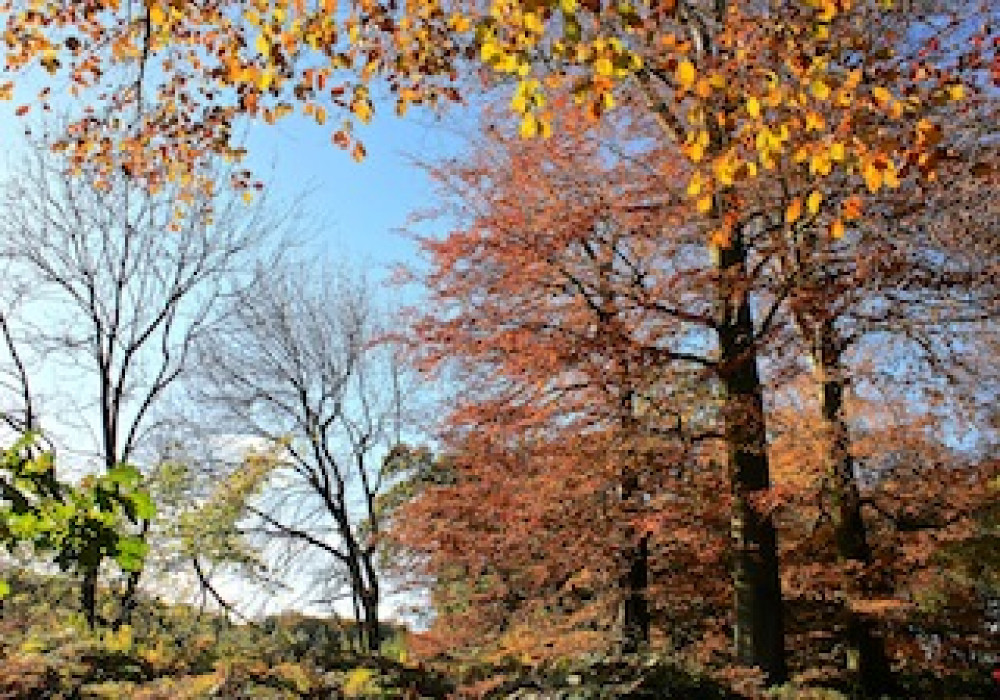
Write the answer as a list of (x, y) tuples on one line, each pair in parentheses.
[(175, 652)]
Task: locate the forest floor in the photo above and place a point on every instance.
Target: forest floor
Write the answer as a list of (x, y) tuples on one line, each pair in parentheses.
[(178, 652)]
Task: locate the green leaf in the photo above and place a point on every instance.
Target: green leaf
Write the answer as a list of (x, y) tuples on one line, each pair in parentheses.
[(125, 475), (4, 589), (145, 509), (131, 553)]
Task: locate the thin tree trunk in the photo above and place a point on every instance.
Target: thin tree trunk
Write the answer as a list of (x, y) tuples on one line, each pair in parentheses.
[(88, 596), (866, 654), (635, 620), (759, 631), (372, 629)]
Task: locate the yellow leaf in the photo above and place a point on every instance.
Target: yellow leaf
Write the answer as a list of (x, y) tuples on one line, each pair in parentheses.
[(753, 107), (358, 152), (794, 211), (545, 126), (362, 110), (815, 121), (956, 92), (157, 17), (488, 51), (820, 164), (603, 66), (265, 79), (851, 209), (837, 151), (568, 6), (519, 102), (685, 74), (820, 90), (873, 178), (459, 23), (890, 178), (529, 126), (719, 239), (705, 204), (881, 94), (263, 46), (725, 169), (694, 186), (696, 146), (813, 202), (837, 229)]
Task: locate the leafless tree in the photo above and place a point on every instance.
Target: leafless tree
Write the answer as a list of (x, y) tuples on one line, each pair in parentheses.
[(116, 284), (300, 365)]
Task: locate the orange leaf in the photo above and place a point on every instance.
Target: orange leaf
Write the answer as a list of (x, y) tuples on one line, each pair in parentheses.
[(851, 208), (794, 211)]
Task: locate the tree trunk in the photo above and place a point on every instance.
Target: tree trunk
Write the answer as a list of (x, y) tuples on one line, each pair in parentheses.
[(635, 620), (88, 596), (866, 654), (759, 631), (372, 629)]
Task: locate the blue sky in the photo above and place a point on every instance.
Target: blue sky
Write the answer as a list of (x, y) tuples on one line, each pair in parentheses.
[(356, 208), (353, 208)]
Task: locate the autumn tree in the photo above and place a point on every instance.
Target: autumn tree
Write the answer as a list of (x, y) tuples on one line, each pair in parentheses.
[(576, 310), (912, 268), (924, 502)]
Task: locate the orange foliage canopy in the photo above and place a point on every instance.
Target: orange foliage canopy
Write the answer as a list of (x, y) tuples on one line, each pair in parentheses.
[(548, 304)]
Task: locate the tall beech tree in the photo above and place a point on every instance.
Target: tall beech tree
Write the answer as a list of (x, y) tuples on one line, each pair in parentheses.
[(923, 504), (582, 303), (913, 269)]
